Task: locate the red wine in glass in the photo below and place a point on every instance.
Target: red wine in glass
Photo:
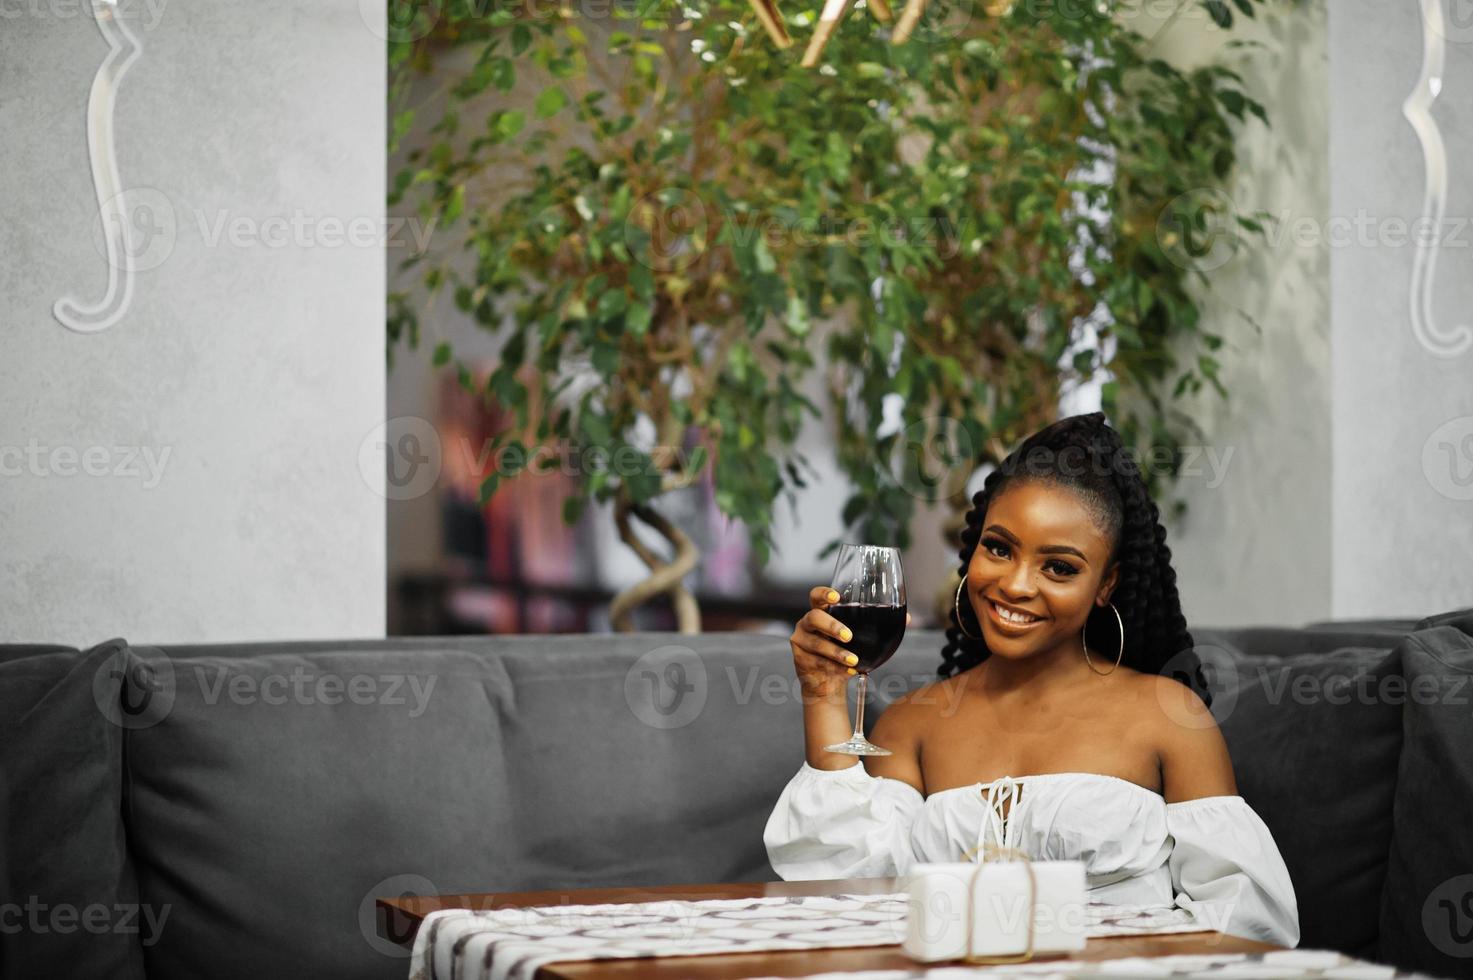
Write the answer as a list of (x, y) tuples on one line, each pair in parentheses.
[(871, 587), (877, 630)]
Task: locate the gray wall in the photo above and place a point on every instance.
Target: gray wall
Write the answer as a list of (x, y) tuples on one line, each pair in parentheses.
[(1403, 426), (250, 368)]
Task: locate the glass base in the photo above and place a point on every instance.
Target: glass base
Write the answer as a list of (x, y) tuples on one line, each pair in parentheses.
[(857, 745)]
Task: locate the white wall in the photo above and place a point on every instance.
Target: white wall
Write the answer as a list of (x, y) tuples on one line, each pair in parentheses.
[(251, 371), (1403, 431)]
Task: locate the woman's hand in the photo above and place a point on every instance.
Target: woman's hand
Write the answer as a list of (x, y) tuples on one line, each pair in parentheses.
[(822, 664)]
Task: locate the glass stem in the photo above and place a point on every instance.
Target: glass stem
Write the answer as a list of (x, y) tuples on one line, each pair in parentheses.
[(859, 710)]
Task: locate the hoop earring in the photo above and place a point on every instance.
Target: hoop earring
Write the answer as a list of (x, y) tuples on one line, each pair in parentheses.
[(1084, 642), (956, 606)]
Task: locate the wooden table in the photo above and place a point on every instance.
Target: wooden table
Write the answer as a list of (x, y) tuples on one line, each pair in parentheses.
[(399, 919)]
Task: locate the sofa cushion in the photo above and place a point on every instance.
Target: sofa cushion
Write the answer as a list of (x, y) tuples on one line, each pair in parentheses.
[(290, 784), (72, 908), (1427, 908), (1315, 744)]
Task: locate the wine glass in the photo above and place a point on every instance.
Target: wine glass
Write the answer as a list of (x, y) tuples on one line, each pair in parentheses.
[(871, 587)]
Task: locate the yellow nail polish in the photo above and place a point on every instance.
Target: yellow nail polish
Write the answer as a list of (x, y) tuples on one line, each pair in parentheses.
[(851, 660), (845, 635), (852, 671), (833, 596)]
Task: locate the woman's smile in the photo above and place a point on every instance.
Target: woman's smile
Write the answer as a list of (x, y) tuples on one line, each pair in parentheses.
[(1010, 622)]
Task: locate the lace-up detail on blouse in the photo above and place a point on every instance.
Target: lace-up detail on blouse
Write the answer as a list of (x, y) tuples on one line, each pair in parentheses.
[(1002, 796)]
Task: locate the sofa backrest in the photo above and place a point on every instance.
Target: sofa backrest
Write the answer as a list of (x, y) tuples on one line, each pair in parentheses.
[(282, 787)]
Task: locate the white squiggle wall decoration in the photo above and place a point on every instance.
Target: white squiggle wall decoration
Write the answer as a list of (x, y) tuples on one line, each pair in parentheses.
[(123, 49), (1418, 110)]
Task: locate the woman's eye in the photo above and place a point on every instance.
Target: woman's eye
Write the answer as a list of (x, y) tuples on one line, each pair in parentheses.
[(994, 545)]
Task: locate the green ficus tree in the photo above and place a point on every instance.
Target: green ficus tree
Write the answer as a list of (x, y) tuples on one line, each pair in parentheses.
[(1063, 182), (651, 204)]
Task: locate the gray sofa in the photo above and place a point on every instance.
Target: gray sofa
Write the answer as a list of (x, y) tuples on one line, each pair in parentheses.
[(232, 810)]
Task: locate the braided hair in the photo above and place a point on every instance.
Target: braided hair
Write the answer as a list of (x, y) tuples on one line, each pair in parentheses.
[(1083, 454)]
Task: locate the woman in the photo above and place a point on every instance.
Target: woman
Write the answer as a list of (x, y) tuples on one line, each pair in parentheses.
[(1101, 753)]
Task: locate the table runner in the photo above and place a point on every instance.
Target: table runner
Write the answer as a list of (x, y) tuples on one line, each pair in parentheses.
[(1289, 964), (511, 944)]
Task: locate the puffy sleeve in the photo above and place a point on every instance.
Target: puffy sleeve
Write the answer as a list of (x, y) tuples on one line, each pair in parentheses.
[(841, 823), (1227, 870)]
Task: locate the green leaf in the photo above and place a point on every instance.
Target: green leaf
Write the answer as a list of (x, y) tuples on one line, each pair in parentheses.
[(796, 319), (402, 123), (836, 156), (550, 101), (488, 488), (642, 281), (605, 357), (637, 319), (573, 509), (442, 354), (612, 303), (456, 204), (521, 37), (510, 123), (1144, 296)]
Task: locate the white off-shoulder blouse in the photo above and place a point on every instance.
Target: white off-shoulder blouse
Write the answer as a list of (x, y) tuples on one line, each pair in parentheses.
[(1213, 856)]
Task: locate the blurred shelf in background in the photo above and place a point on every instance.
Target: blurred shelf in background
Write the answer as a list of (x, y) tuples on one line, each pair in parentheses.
[(468, 603)]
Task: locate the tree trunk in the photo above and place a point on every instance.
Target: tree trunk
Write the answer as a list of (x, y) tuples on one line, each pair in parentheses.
[(664, 577)]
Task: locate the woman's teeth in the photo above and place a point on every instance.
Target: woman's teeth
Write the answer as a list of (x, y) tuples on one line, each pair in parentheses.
[(1007, 615)]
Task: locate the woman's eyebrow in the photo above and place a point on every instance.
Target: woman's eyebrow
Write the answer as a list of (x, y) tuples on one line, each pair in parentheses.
[(1048, 549)]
